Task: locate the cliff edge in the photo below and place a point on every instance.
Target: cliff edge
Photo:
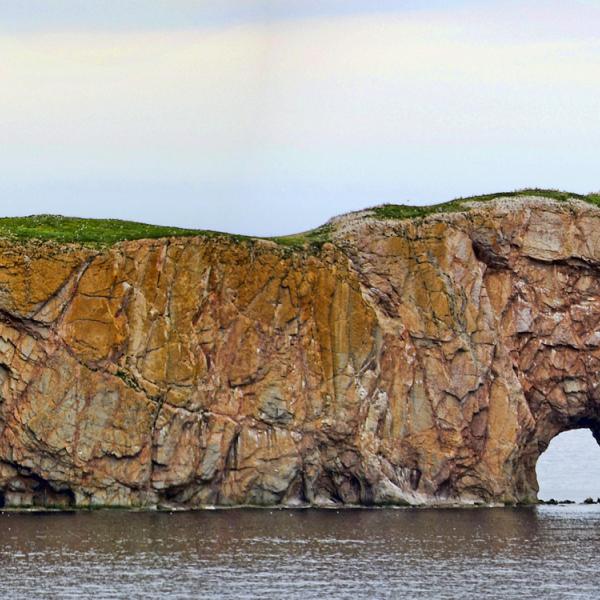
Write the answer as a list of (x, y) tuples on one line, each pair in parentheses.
[(379, 361)]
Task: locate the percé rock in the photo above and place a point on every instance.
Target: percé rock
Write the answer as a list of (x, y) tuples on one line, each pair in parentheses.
[(423, 362)]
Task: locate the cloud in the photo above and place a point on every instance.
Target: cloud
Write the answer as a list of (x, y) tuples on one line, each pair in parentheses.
[(348, 111), (148, 15)]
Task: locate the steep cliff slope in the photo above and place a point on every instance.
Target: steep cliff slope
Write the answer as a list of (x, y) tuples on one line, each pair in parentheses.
[(386, 361)]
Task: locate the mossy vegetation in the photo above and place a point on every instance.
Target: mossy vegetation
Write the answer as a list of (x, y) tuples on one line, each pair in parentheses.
[(104, 232), (91, 231), (315, 237), (127, 380), (403, 211)]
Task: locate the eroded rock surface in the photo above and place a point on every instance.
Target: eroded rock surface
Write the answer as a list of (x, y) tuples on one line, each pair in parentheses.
[(421, 362)]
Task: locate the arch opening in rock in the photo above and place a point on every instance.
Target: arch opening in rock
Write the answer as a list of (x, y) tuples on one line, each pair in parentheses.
[(569, 469)]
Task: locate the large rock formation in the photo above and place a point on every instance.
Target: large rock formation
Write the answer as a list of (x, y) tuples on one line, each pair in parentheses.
[(421, 361)]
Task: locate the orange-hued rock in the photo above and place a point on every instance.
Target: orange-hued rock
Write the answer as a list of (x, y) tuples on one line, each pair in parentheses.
[(421, 361)]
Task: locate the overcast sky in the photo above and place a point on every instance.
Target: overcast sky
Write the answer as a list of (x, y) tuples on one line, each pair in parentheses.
[(270, 116)]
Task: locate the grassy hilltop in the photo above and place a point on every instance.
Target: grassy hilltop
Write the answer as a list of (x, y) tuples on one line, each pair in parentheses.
[(89, 231), (102, 232)]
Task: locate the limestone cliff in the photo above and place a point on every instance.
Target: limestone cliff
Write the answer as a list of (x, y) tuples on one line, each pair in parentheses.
[(423, 361)]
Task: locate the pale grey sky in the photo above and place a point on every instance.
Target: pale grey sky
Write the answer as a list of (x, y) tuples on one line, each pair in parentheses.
[(267, 116)]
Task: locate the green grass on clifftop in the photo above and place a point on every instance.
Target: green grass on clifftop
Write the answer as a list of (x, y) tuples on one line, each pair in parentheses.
[(403, 211), (89, 231), (314, 237), (103, 232)]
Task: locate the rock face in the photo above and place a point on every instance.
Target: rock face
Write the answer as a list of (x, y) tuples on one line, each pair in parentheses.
[(419, 362)]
